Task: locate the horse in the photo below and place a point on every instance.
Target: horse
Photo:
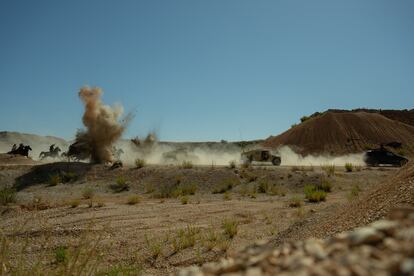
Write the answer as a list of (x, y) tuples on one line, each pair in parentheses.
[(54, 153), (21, 150), (77, 152)]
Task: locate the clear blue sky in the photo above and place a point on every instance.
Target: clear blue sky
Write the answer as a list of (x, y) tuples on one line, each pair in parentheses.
[(202, 70)]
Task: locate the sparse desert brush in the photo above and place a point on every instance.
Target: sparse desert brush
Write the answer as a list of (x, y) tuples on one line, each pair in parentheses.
[(139, 163), (187, 165), (226, 185), (184, 190), (295, 202), (229, 227), (354, 192), (149, 187), (358, 168), (263, 186), (74, 203), (329, 169), (325, 185), (133, 199), (61, 254), (184, 200), (68, 177), (300, 212), (54, 179), (88, 193), (121, 270), (249, 175), (313, 194), (227, 195), (154, 246), (349, 167), (232, 164), (7, 195), (120, 185), (100, 203), (185, 238)]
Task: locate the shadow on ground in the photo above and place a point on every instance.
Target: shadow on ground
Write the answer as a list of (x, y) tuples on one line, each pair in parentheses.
[(42, 173)]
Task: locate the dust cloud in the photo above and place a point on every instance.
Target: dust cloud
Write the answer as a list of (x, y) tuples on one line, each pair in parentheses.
[(290, 158), (103, 123)]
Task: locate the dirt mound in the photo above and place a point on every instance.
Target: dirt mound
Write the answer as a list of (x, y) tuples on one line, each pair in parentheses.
[(372, 205), (338, 133)]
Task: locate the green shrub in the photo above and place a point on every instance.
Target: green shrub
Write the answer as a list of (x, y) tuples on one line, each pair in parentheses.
[(349, 167), (229, 227), (227, 195), (313, 194), (325, 185), (184, 200), (232, 164), (88, 193), (120, 185), (7, 195), (354, 192), (139, 163), (184, 190), (61, 255), (69, 177), (304, 118), (187, 165), (54, 179), (263, 186), (295, 201), (133, 199), (74, 203), (226, 185), (329, 169)]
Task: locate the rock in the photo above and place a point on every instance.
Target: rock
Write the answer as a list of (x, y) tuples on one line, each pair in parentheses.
[(254, 271), (365, 235), (385, 226), (407, 266), (314, 248)]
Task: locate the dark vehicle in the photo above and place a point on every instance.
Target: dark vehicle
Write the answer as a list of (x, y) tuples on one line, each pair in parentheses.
[(261, 156), (382, 156)]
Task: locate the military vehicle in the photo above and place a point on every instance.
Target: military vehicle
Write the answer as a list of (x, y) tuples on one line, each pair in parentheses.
[(261, 156), (381, 156)]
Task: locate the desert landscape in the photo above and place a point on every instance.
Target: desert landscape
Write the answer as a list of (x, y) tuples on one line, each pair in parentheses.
[(158, 215), (206, 138)]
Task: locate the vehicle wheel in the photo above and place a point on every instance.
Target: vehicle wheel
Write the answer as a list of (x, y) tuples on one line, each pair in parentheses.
[(276, 161)]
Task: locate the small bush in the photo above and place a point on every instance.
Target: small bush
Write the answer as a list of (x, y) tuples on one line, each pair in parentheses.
[(154, 246), (329, 169), (184, 200), (88, 193), (120, 185), (7, 195), (295, 202), (54, 180), (187, 165), (133, 199), (229, 227), (227, 196), (349, 167), (354, 192), (263, 186), (184, 190), (313, 194), (69, 177), (61, 255), (232, 164), (139, 163), (226, 185), (248, 175), (325, 185), (149, 187), (74, 203)]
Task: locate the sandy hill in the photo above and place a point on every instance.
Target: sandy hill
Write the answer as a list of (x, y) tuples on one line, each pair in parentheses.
[(344, 132), (38, 143)]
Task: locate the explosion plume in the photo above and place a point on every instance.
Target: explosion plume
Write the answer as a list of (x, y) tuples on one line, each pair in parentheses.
[(103, 125)]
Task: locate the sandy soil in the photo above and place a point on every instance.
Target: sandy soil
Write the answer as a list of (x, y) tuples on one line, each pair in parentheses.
[(42, 219)]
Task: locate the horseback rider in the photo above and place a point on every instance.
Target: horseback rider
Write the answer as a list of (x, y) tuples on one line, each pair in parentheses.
[(20, 148), (52, 148), (14, 147)]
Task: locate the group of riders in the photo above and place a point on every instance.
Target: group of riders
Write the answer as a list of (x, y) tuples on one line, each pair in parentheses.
[(75, 153)]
